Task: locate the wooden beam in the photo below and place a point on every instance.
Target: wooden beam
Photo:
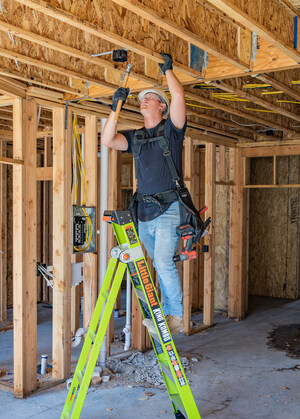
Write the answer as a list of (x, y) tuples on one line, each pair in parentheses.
[(72, 52), (3, 237), (13, 162), (55, 69), (209, 258), (269, 20), (258, 101), (7, 87), (237, 279), (226, 108), (44, 173), (181, 32), (24, 249), (35, 80), (101, 33), (224, 122), (201, 136), (265, 78), (61, 244), (90, 260), (212, 131), (288, 150)]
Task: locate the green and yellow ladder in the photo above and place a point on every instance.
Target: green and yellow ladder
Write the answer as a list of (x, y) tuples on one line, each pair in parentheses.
[(129, 254)]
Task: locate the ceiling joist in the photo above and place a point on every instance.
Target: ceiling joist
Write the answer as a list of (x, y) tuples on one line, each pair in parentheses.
[(268, 19)]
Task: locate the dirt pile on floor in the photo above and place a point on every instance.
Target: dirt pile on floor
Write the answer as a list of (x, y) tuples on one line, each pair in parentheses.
[(141, 368)]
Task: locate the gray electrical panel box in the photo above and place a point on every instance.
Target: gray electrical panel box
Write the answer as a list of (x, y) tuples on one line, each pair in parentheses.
[(84, 229)]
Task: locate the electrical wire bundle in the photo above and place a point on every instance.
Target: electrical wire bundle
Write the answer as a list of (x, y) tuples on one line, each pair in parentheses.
[(44, 272), (78, 163)]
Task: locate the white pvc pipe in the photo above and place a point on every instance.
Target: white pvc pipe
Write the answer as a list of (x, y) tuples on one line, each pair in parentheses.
[(127, 328), (44, 360), (78, 335), (103, 228)]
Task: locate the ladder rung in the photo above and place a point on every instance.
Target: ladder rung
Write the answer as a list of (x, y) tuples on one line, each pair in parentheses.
[(105, 294), (79, 376), (167, 372), (92, 335), (141, 295)]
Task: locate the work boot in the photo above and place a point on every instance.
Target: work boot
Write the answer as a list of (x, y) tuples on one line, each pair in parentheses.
[(175, 324)]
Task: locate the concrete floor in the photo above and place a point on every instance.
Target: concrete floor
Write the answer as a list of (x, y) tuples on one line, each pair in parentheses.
[(237, 376)]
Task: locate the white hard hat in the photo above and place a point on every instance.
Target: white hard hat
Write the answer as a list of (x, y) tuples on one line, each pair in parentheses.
[(161, 94)]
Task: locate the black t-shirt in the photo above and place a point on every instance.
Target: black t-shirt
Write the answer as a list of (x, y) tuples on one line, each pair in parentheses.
[(154, 172)]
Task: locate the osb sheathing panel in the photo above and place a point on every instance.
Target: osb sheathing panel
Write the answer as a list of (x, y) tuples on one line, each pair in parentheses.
[(107, 16), (221, 224), (274, 224), (272, 15), (193, 16), (33, 72)]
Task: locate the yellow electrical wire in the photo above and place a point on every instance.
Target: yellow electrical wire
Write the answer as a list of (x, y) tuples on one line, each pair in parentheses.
[(276, 92), (287, 101), (81, 169), (259, 110), (256, 86), (199, 106)]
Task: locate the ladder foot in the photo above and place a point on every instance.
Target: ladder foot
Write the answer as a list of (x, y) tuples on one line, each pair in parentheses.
[(179, 415)]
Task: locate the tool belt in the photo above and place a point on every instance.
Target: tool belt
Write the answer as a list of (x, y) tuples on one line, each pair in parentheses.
[(166, 197)]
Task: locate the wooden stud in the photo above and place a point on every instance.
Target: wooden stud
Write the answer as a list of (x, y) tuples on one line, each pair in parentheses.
[(202, 203), (24, 249), (222, 163), (187, 266), (3, 237), (46, 233), (196, 199), (236, 287), (209, 258), (113, 186), (61, 244), (90, 260), (40, 238)]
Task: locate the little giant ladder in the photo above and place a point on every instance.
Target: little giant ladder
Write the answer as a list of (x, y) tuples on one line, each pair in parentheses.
[(128, 254)]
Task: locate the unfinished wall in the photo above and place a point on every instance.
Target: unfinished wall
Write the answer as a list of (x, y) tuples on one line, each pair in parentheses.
[(274, 229)]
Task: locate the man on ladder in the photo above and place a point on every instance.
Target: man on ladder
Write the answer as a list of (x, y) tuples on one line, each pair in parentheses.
[(156, 201)]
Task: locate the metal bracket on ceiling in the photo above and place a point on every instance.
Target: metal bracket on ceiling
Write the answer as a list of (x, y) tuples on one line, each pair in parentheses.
[(253, 46)]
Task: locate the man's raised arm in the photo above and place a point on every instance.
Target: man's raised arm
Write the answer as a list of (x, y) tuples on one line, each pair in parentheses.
[(109, 136), (177, 106)]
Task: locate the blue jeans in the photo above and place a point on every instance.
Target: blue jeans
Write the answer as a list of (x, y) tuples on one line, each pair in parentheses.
[(160, 240)]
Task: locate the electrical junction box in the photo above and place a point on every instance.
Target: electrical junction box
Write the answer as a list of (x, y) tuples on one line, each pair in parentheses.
[(84, 230)]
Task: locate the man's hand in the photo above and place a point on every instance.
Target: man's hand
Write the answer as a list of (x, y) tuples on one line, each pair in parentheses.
[(168, 64), (120, 94)]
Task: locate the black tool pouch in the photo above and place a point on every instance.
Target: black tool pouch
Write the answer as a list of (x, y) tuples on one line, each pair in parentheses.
[(189, 213), (133, 207)]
